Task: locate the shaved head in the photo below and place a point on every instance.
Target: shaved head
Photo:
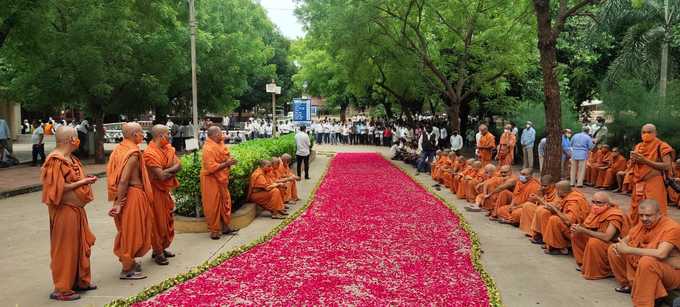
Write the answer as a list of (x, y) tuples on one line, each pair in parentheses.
[(265, 163), (477, 164), (483, 128), (526, 172), (286, 158), (130, 129), (159, 130), (547, 180), (490, 168), (649, 204), (276, 161), (64, 134), (563, 188), (649, 128), (649, 213), (214, 131), (601, 197)]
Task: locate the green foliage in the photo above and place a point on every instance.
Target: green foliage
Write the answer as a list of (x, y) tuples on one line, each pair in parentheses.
[(535, 112), (248, 155), (632, 105)]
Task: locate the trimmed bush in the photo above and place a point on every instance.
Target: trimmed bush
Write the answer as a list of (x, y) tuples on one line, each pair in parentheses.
[(248, 155)]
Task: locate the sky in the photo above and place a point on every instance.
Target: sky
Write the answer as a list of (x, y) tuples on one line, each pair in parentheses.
[(282, 13)]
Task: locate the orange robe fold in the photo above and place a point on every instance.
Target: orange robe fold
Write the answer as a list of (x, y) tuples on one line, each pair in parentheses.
[(650, 278), (271, 200), (506, 149), (607, 178), (162, 203), (520, 195), (647, 183), (487, 142), (490, 184), (594, 160), (528, 213), (71, 239), (134, 222), (597, 175), (591, 253), (215, 194), (291, 190), (471, 191), (673, 196), (556, 233), (460, 181)]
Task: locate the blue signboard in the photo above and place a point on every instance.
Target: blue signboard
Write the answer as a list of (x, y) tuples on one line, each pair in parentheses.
[(302, 111)]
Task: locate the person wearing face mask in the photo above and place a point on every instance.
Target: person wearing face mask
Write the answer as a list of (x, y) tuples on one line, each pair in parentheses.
[(646, 262), (528, 139), (591, 239), (66, 192), (650, 160), (530, 222), (506, 147), (572, 208), (526, 185), (163, 165), (427, 144), (480, 190), (266, 192), (606, 177), (485, 144), (215, 195), (494, 190), (129, 188), (581, 145)]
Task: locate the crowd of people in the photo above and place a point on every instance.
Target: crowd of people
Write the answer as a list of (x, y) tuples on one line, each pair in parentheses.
[(139, 186), (639, 247)]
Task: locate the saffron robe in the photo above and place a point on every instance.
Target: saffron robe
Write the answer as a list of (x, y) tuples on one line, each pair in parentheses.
[(556, 233), (591, 252), (162, 203), (506, 149), (606, 179), (520, 195), (485, 144), (291, 189), (215, 194), (528, 213), (271, 200), (653, 187)]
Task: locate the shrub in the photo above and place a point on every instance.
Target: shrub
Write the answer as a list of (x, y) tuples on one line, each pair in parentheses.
[(535, 112), (248, 155)]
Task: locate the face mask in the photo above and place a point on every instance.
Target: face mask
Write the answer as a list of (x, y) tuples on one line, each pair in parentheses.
[(523, 178), (75, 142), (648, 137), (596, 210), (528, 126), (568, 135), (164, 142), (507, 130)]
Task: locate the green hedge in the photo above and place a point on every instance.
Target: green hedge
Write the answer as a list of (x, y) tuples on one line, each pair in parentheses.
[(248, 154)]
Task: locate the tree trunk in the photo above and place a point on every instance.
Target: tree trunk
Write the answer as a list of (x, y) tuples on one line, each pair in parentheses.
[(343, 110), (99, 136), (453, 111), (551, 89), (388, 109)]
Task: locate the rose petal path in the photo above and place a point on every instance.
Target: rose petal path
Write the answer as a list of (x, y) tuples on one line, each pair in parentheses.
[(372, 236)]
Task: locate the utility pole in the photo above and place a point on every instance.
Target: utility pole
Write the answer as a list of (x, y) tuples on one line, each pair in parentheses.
[(274, 90), (663, 83), (194, 87)]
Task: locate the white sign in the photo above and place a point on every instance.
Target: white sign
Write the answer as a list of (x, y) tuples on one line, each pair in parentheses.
[(271, 88), (191, 144), (278, 90)]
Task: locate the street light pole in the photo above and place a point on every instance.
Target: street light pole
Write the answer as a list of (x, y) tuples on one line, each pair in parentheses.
[(194, 87)]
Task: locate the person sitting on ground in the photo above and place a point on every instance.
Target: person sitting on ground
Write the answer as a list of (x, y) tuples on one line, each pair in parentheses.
[(6, 159), (481, 188), (600, 159), (591, 239), (606, 177), (279, 177), (525, 186), (527, 217), (286, 172), (467, 173), (473, 180), (449, 170), (501, 194), (266, 192), (623, 179), (572, 209), (436, 164), (646, 262), (395, 152)]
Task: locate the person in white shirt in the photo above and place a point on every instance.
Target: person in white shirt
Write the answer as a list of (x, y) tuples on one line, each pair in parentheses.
[(443, 136), (303, 149), (345, 134), (326, 132), (37, 139), (456, 142), (268, 130)]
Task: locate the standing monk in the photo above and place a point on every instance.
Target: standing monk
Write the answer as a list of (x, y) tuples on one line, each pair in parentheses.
[(647, 260), (66, 191), (485, 144), (607, 176), (651, 159), (130, 190), (526, 185), (292, 178), (266, 192), (573, 209), (591, 239), (163, 165), (506, 147), (215, 184)]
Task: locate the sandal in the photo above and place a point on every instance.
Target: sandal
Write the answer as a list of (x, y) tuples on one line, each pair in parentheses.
[(278, 217), (138, 267), (623, 289), (578, 268), (90, 287), (168, 254), (472, 209), (215, 236), (69, 296), (131, 275), (229, 231), (160, 260), (555, 252), (537, 241)]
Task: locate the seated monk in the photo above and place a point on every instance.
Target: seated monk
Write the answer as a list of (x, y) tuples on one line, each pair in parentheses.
[(489, 173), (488, 196), (129, 187), (264, 191), (464, 167), (594, 161), (606, 177), (277, 176), (448, 163), (473, 181), (591, 239), (292, 178), (623, 179), (506, 147), (436, 164), (501, 195), (450, 171), (528, 213), (465, 176), (572, 209), (647, 260), (526, 185), (673, 195), (66, 192)]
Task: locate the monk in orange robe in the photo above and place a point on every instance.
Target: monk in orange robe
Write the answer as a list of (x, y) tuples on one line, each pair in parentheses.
[(129, 188), (481, 190), (435, 167), (48, 128), (488, 196), (528, 213), (606, 178), (266, 192), (623, 179), (215, 182), (647, 260), (573, 209), (591, 239), (526, 185), (502, 194), (464, 176), (673, 195), (506, 147), (449, 172), (486, 143), (292, 179), (600, 168), (650, 159), (444, 168), (66, 191), (595, 161), (471, 181), (163, 165)]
